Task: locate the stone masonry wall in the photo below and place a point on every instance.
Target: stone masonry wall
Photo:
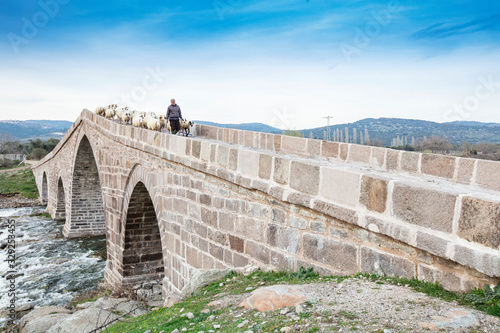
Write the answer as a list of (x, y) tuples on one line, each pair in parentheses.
[(221, 204)]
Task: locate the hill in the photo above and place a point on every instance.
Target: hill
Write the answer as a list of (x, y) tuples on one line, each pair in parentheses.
[(25, 130), (256, 127)]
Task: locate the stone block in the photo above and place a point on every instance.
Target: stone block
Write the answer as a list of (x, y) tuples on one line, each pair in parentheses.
[(318, 227), (392, 159), (278, 215), (209, 216), (488, 174), (342, 256), (426, 207), (388, 228), (480, 222), (432, 244), (236, 243), (340, 186), (299, 199), (277, 142), (313, 147), (258, 252), (250, 228), (248, 162), (265, 166), (282, 261), (446, 279), (340, 213), (373, 193), (360, 153), (281, 170), (283, 238), (377, 262), (340, 233), (409, 161), (438, 165), (233, 159), (465, 170), (305, 177), (329, 149), (298, 222), (205, 151), (292, 144), (378, 156), (206, 131), (222, 155), (481, 261), (343, 151), (227, 221)]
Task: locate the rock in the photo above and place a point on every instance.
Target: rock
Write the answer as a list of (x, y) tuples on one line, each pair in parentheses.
[(456, 318), (42, 312), (247, 270), (205, 311), (42, 324), (108, 303), (83, 321), (285, 329), (216, 326), (190, 315), (175, 331), (300, 308), (131, 308), (171, 300), (201, 278), (215, 303), (85, 305), (240, 325), (273, 297), (24, 308), (211, 318)]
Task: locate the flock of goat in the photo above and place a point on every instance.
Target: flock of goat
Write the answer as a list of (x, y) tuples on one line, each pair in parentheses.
[(147, 120)]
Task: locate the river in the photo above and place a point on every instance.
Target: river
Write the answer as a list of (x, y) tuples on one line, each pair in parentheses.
[(50, 269)]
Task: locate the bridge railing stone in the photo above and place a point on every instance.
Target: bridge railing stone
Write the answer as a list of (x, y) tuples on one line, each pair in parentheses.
[(482, 173)]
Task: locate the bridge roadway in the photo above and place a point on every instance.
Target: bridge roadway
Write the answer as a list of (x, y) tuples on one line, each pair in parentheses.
[(170, 206)]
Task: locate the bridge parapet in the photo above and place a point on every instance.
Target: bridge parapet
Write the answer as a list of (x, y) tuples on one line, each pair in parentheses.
[(227, 197)]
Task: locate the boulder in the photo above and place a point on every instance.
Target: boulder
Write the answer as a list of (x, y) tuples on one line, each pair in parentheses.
[(42, 312), (83, 321), (456, 318), (42, 324), (273, 297), (201, 278)]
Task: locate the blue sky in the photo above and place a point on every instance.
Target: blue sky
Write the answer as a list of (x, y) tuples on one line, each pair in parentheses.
[(283, 63)]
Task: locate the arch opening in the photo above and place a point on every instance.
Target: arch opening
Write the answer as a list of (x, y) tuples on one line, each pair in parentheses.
[(87, 208), (60, 213), (142, 254), (45, 190)]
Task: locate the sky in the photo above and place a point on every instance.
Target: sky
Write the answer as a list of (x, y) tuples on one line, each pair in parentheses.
[(287, 64)]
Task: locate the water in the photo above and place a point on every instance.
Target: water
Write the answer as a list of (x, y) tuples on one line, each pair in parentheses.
[(53, 268)]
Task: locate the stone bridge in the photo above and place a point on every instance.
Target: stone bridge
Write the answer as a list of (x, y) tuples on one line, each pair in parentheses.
[(225, 198)]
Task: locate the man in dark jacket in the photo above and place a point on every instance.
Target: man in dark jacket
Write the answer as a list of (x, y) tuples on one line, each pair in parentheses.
[(174, 115)]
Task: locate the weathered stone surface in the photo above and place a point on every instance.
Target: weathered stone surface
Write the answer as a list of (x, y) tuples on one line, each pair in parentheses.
[(42, 312), (447, 279), (340, 255), (457, 318), (335, 211), (432, 244), (248, 162), (465, 170), (265, 166), (83, 321), (378, 156), (344, 151), (329, 149), (360, 153), (273, 298), (392, 159), (438, 165), (424, 207), (283, 238), (373, 193), (281, 170), (306, 177), (313, 147), (480, 222), (201, 278), (488, 174), (377, 262), (42, 324), (340, 186), (409, 161), (293, 144)]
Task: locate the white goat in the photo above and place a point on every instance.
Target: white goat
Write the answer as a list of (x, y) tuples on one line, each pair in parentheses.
[(186, 126), (137, 120), (100, 111), (125, 118), (153, 124)]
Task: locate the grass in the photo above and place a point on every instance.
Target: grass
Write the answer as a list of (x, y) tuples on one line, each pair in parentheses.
[(21, 182), (175, 317)]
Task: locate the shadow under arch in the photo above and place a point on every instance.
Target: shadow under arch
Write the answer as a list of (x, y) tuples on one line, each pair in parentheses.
[(45, 189), (86, 216), (142, 250), (60, 211)]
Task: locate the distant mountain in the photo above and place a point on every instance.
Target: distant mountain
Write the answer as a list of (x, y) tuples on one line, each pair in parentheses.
[(25, 130), (386, 129), (256, 127)]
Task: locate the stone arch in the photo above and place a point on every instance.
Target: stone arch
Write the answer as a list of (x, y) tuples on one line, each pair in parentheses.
[(86, 216), (60, 211), (142, 248), (45, 189)]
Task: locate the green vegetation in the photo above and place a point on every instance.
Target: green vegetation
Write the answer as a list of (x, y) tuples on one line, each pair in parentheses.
[(293, 133), (41, 214), (34, 149), (22, 182), (175, 317)]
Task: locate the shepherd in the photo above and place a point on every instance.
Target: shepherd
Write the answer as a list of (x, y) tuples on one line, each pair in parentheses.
[(173, 116)]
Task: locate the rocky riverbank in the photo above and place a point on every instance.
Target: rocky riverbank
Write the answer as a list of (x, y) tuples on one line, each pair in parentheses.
[(17, 201)]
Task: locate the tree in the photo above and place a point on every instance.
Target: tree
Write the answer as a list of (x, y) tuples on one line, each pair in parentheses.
[(293, 133)]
